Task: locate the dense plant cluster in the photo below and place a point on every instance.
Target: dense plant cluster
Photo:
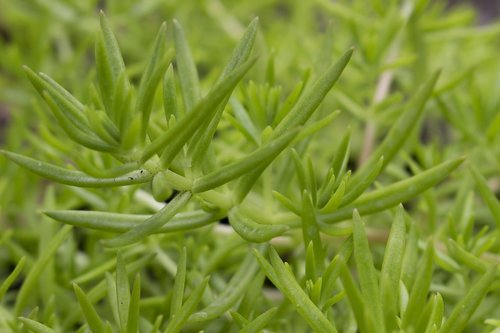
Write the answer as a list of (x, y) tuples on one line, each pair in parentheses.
[(335, 170)]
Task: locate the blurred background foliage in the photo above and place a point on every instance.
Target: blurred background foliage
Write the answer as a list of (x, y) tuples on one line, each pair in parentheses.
[(401, 45)]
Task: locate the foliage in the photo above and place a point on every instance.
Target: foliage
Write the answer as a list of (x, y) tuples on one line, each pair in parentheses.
[(208, 182)]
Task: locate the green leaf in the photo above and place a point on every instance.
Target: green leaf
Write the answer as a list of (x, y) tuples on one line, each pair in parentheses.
[(241, 53), (133, 313), (367, 274), (122, 290), (179, 283), (401, 130), (464, 309), (260, 322), (155, 69), (109, 62), (151, 225), (252, 231), (76, 178), (12, 277), (289, 286), (93, 320), (85, 137), (234, 290), (178, 319), (188, 76), (63, 100), (355, 297), (120, 222), (356, 189), (310, 231), (420, 287), (170, 105), (263, 155), (391, 269), (486, 193), (35, 326), (313, 96), (299, 114), (396, 193), (31, 281), (174, 139)]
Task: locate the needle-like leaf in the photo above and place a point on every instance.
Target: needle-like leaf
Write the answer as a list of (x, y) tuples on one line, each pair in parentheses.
[(151, 225), (76, 178), (396, 193)]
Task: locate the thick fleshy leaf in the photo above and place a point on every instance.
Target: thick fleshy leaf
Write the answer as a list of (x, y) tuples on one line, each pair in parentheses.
[(300, 113), (391, 269), (260, 322), (401, 130), (89, 312), (35, 326), (172, 141), (76, 178), (396, 193), (188, 75), (252, 231), (234, 290), (179, 319), (464, 309), (236, 169), (119, 222), (367, 274), (289, 286), (151, 225), (179, 283), (109, 62), (154, 72), (31, 281)]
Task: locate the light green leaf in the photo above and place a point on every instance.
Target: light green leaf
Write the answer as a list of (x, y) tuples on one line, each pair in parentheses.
[(85, 137), (155, 69), (188, 76), (133, 313), (259, 323), (31, 281), (420, 287), (355, 297), (289, 286), (391, 269), (170, 105), (356, 189), (179, 283), (396, 193), (401, 130), (178, 319), (35, 326), (464, 309), (119, 222), (234, 290), (76, 178), (93, 320), (202, 139), (367, 274), (151, 225), (486, 193), (12, 277), (299, 114), (122, 290), (263, 155), (109, 62), (65, 102), (252, 231), (174, 139)]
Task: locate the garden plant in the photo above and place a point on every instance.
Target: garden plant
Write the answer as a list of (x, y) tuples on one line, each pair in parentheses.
[(249, 166)]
